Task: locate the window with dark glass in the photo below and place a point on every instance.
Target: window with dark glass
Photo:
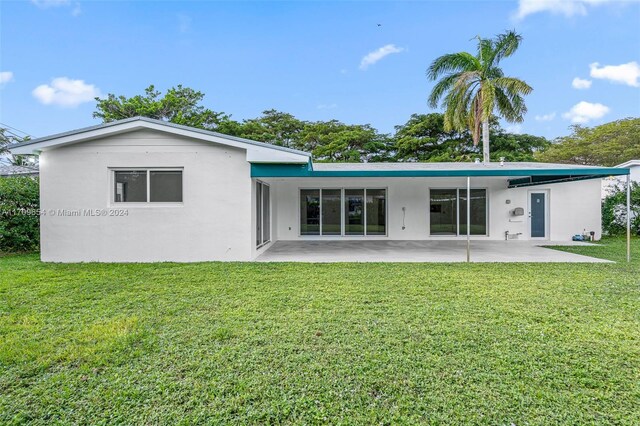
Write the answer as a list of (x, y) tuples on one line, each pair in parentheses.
[(165, 186), (141, 186), (131, 186)]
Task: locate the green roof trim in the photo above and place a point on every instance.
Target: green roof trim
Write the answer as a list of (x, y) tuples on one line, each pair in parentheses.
[(263, 170)]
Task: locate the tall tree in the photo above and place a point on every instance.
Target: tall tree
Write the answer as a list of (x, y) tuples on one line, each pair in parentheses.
[(517, 146), (278, 128), (337, 141), (605, 145), (473, 88), (180, 105), (424, 138)]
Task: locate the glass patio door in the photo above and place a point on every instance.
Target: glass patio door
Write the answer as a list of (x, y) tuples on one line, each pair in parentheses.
[(448, 211), (444, 212), (343, 212)]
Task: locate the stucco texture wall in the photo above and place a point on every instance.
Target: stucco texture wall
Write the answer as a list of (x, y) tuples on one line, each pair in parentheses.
[(214, 222), (573, 207)]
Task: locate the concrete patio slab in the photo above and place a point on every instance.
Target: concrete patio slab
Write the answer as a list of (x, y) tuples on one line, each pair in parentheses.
[(421, 251)]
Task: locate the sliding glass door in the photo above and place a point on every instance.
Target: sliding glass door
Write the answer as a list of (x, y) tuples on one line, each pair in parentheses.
[(354, 212), (337, 211), (478, 212), (331, 218), (448, 211), (263, 214), (309, 212), (444, 212), (376, 212)]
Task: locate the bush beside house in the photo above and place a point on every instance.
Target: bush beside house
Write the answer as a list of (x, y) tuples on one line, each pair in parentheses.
[(614, 210), (19, 219)]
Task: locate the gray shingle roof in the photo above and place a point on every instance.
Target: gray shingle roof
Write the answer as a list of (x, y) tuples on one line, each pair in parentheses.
[(12, 170)]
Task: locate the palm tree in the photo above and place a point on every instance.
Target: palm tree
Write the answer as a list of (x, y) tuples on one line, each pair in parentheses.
[(473, 88)]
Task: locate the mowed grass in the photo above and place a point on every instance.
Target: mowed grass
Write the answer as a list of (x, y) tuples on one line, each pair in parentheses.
[(253, 343)]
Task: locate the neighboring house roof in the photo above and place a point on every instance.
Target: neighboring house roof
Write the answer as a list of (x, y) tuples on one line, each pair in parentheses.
[(256, 151), (13, 170), (630, 163)]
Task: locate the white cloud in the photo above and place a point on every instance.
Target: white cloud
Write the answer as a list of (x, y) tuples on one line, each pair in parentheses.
[(6, 77), (558, 7), (327, 106), (625, 73), (51, 3), (581, 83), (46, 4), (65, 92), (373, 57), (583, 112), (545, 117)]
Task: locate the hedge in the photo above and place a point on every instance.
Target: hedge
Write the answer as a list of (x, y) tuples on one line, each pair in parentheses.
[(19, 214)]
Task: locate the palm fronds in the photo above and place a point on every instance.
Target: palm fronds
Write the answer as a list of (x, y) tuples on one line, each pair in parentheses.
[(473, 88)]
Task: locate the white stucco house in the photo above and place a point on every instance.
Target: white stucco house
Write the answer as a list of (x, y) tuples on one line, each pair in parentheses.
[(142, 190)]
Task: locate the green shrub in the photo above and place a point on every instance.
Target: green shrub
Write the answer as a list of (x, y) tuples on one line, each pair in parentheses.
[(614, 210), (19, 218)]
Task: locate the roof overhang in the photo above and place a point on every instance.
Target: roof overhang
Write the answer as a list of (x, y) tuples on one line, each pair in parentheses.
[(515, 177), (546, 180), (257, 152)]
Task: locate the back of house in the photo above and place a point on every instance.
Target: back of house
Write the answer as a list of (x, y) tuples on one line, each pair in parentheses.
[(142, 190)]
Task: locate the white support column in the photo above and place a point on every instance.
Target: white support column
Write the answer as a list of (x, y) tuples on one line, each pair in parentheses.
[(468, 218), (628, 218)]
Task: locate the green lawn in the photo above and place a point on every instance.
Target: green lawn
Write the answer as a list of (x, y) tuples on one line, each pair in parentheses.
[(328, 343)]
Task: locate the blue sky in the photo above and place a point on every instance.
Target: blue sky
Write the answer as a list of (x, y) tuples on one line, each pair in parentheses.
[(308, 58)]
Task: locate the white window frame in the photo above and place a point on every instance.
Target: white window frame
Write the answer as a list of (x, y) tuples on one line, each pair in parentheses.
[(148, 203), (342, 215), (458, 191)]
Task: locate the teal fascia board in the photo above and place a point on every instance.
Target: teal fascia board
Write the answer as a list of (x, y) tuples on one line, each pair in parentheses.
[(263, 170)]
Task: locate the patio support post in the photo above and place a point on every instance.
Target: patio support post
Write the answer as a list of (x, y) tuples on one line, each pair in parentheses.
[(628, 218), (468, 218)]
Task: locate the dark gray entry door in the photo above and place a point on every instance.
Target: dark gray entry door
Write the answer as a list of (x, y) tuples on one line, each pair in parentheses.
[(538, 214)]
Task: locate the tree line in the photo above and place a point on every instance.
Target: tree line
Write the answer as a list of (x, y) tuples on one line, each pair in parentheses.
[(422, 138)]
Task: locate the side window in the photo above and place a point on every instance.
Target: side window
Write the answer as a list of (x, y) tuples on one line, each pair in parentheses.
[(147, 186)]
